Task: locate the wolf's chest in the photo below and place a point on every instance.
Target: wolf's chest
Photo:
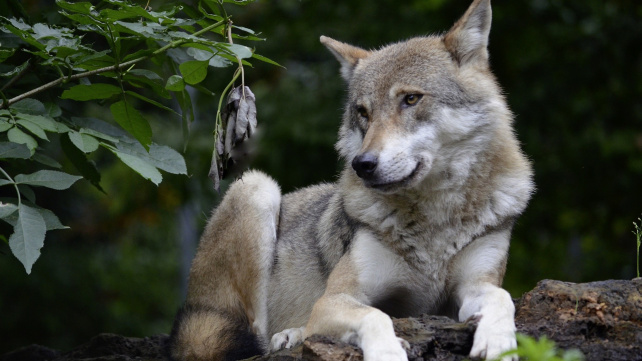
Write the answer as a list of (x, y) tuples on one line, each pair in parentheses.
[(404, 278)]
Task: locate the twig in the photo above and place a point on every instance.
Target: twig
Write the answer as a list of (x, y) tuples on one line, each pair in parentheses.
[(229, 39)]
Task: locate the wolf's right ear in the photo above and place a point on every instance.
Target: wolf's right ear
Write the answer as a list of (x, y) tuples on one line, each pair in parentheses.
[(467, 40), (347, 55)]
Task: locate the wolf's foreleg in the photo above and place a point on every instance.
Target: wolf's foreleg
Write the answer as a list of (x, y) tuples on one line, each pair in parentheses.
[(342, 312), (478, 271), (287, 338)]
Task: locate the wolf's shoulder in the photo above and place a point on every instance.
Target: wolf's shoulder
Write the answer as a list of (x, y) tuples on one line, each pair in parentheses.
[(311, 197)]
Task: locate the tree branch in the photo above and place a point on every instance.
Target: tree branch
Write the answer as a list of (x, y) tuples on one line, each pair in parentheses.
[(173, 44)]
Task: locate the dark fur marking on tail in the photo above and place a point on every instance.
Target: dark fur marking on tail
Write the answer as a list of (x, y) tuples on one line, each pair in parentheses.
[(246, 344)]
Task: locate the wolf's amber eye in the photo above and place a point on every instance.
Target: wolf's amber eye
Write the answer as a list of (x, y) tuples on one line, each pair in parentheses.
[(412, 99), (362, 112)]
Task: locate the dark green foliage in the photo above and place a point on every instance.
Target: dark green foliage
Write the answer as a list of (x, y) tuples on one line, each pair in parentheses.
[(109, 68)]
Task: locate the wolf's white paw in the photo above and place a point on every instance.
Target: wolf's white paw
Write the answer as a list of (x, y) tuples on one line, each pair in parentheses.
[(386, 350), (493, 337), (287, 338)]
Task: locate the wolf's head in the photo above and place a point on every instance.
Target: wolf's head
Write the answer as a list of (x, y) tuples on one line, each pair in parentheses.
[(423, 108)]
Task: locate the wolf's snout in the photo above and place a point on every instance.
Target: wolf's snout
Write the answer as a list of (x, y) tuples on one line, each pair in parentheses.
[(365, 164)]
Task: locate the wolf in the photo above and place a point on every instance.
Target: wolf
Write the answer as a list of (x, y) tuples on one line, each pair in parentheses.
[(419, 220)]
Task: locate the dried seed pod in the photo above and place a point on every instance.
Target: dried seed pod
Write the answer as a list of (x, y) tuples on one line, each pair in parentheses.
[(239, 116), (246, 116)]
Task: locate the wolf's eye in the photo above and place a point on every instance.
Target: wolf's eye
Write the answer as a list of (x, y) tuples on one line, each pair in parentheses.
[(411, 99), (362, 112)]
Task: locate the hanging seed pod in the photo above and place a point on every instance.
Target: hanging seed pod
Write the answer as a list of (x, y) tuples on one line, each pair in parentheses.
[(239, 118), (216, 166), (245, 116)]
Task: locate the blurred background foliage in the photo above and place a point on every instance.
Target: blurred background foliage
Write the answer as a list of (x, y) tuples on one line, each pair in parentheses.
[(572, 73)]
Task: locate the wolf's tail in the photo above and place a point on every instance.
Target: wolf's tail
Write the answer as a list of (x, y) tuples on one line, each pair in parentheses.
[(202, 333)]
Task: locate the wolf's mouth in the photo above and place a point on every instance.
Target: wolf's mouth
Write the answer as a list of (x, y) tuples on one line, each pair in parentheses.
[(389, 186)]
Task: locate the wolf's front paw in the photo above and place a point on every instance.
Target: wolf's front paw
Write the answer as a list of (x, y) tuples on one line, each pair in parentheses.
[(390, 350), (493, 338), (287, 338)]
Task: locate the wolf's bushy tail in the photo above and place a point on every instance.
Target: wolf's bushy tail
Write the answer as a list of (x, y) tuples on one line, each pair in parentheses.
[(202, 333)]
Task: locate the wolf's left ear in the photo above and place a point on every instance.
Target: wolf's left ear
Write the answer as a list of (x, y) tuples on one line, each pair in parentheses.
[(347, 55), (467, 40)]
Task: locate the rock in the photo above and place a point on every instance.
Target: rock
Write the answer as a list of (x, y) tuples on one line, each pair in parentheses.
[(104, 347), (31, 353), (601, 319)]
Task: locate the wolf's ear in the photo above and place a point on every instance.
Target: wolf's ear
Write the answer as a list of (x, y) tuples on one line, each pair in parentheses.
[(347, 55), (467, 40)]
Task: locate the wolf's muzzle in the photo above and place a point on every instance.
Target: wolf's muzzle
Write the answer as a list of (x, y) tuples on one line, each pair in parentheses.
[(365, 164)]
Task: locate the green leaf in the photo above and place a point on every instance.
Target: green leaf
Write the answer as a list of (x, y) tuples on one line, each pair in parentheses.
[(5, 125), (175, 83), (81, 7), (21, 29), (194, 71), (239, 2), (146, 30), (18, 136), (100, 128), (15, 70), (91, 92), (48, 178), (43, 122), (86, 168), (29, 106), (28, 236), (132, 121), (99, 135), (7, 209), (51, 220), (14, 150), (236, 50), (206, 54), (46, 160), (140, 77), (141, 167), (6, 54), (27, 192), (150, 101), (266, 60), (247, 30), (53, 111), (159, 156), (84, 142), (33, 128)]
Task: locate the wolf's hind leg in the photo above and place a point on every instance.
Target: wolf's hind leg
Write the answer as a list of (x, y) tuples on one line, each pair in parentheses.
[(226, 307)]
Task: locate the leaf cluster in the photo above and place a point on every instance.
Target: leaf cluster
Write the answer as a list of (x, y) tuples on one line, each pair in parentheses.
[(542, 349), (118, 55)]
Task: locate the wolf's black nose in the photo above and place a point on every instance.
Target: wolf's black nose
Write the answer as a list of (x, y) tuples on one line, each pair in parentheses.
[(365, 164)]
